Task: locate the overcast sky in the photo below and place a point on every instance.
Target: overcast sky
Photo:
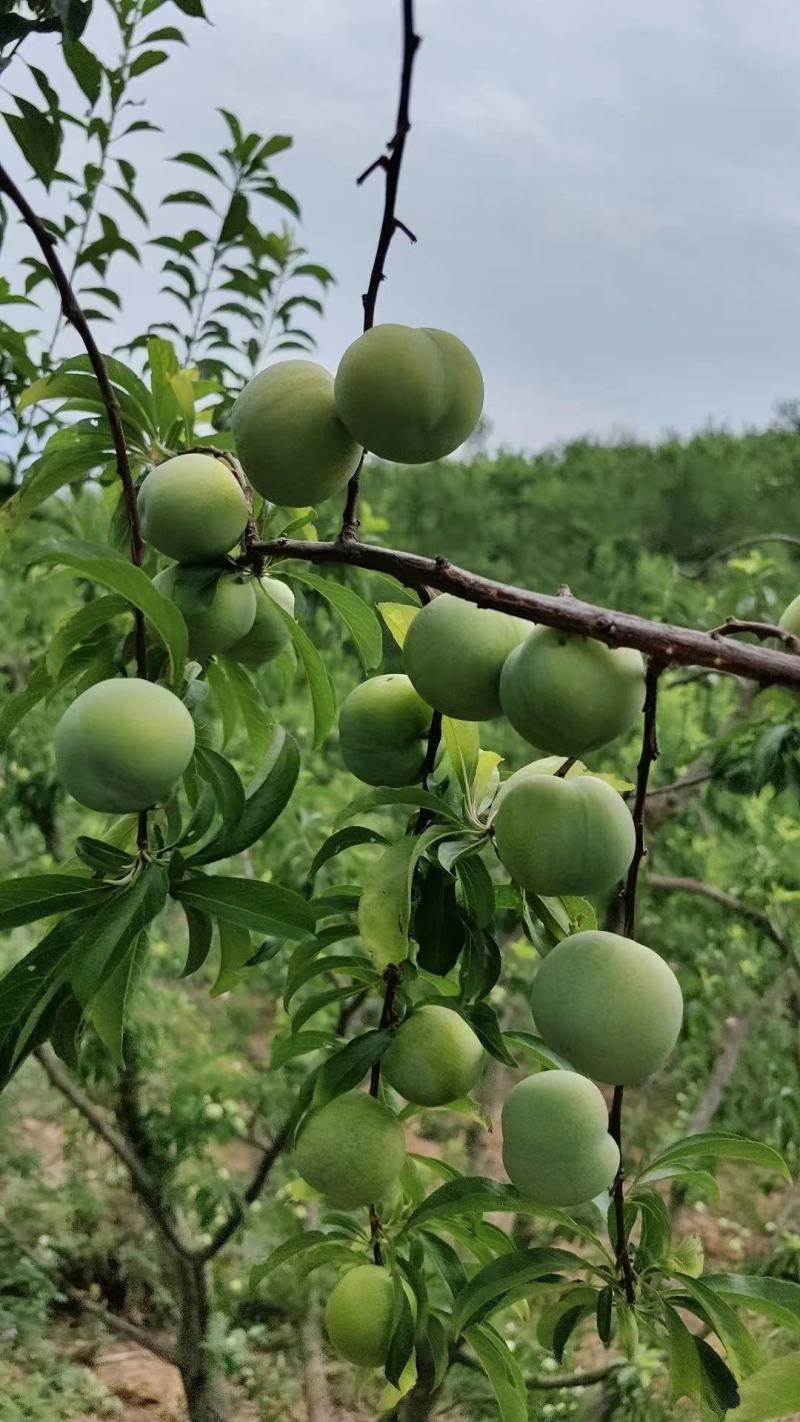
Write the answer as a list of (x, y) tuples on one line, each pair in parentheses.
[(607, 196)]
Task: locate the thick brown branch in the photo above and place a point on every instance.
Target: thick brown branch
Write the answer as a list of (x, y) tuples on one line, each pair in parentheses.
[(153, 1342), (672, 645), (390, 164), (141, 1180)]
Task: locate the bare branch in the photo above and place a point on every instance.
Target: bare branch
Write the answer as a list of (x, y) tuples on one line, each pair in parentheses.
[(672, 645), (735, 627), (260, 1176), (677, 884)]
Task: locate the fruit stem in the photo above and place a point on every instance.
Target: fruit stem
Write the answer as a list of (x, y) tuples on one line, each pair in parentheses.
[(389, 164)]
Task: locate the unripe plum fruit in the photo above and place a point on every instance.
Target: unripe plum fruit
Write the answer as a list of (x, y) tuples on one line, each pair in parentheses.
[(218, 607), (790, 618), (359, 1315), (454, 653), (556, 1146), (192, 508), (609, 1005), (123, 745), (269, 633), (383, 731), (558, 836), (570, 694), (351, 1150), (434, 1058), (409, 394), (292, 444)]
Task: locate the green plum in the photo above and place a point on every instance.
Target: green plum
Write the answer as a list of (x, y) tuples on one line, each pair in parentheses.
[(293, 447), (556, 1146), (454, 653), (359, 1315), (192, 508), (218, 606), (383, 731), (434, 1058), (569, 694), (790, 618), (564, 836), (351, 1150), (409, 394), (609, 1005), (269, 633), (123, 745)]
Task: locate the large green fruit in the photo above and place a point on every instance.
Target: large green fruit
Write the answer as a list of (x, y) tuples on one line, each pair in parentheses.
[(269, 633), (409, 394), (570, 694), (123, 745), (454, 653), (558, 836), (351, 1150), (192, 508), (218, 607), (383, 731), (359, 1315), (556, 1146), (293, 447), (434, 1058), (609, 1005)]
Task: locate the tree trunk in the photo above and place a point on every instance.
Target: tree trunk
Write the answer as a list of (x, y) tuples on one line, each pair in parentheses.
[(205, 1401)]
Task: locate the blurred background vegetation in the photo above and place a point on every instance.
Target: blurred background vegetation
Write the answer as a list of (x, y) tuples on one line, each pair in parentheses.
[(688, 530)]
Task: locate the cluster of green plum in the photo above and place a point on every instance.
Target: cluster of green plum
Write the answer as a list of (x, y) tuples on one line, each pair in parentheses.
[(403, 394)]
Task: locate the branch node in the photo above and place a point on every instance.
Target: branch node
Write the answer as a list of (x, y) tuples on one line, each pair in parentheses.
[(382, 162)]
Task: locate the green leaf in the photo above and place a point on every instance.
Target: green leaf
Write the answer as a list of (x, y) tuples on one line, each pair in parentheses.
[(201, 929), (773, 1392), (503, 1372), (225, 783), (248, 903), (16, 708), (285, 1049), (538, 1049), (192, 7), (477, 889), (463, 744), (719, 1384), (313, 1005), (42, 895), (324, 1246), (236, 218), (110, 1006), (740, 1346), (486, 1027), (114, 572), (236, 948), (721, 1145), (98, 613), (355, 613), (401, 1344), (196, 160), (106, 858), (85, 68), (439, 928), (323, 696), (341, 840), (354, 964), (476, 1195), (686, 1377), (263, 805), (38, 136), (123, 916), (29, 988), (389, 795), (776, 1299), (503, 1281), (259, 725), (147, 60), (384, 910), (398, 617), (346, 1068)]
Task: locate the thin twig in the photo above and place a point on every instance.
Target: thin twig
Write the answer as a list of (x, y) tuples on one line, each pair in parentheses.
[(675, 883), (390, 164), (735, 627), (672, 645), (565, 767), (392, 978), (740, 546), (259, 1179), (548, 1382), (141, 1179)]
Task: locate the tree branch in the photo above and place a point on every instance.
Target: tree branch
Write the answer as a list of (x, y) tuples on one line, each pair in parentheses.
[(672, 645), (548, 1382), (254, 1189), (141, 1180), (677, 884), (739, 547), (735, 627), (390, 165)]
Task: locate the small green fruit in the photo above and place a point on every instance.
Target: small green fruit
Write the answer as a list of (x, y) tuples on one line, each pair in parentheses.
[(269, 633), (410, 395), (790, 618), (123, 745), (609, 1005), (434, 1058), (359, 1315), (192, 508), (351, 1150), (383, 731), (558, 836), (218, 607), (556, 1146), (570, 694), (293, 447), (454, 653)]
